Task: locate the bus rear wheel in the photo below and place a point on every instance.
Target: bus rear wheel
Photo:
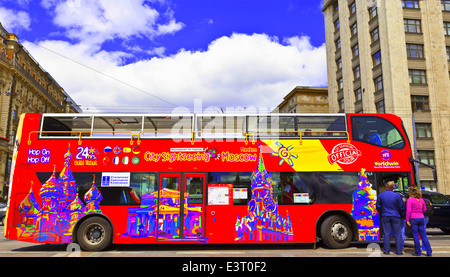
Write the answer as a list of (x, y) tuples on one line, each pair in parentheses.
[(336, 232), (94, 234)]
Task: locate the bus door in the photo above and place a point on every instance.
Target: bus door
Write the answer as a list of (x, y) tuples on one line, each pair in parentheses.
[(401, 180), (194, 208), (181, 207)]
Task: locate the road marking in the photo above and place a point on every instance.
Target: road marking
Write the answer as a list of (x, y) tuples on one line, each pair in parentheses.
[(209, 252)]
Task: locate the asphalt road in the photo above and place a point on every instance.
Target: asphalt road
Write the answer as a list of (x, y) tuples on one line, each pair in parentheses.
[(10, 248), (225, 258)]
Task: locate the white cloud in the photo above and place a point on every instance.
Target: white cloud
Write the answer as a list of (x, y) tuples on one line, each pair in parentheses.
[(96, 21), (240, 70), (14, 20)]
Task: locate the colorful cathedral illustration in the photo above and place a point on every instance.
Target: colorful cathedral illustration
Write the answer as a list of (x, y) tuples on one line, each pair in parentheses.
[(263, 222), (54, 219), (364, 210)]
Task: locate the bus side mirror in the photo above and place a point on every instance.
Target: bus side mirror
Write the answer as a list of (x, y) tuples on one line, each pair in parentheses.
[(412, 160)]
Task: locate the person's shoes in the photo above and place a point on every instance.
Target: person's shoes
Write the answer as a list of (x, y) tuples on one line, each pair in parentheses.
[(401, 253), (415, 254), (385, 253)]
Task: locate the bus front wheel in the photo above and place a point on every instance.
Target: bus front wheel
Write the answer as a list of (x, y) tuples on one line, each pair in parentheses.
[(94, 234), (336, 232)]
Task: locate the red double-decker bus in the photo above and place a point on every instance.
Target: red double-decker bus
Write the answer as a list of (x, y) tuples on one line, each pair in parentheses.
[(98, 179)]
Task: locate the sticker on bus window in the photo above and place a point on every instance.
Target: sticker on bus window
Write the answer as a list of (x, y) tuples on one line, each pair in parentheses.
[(116, 179), (301, 198), (219, 194), (240, 193)]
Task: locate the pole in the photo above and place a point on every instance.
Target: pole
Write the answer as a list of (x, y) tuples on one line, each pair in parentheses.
[(416, 165)]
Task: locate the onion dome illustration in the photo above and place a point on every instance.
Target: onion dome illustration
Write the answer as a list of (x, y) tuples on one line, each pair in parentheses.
[(52, 188), (66, 173), (77, 205), (29, 205), (363, 174), (66, 178), (363, 178), (93, 194), (68, 156)]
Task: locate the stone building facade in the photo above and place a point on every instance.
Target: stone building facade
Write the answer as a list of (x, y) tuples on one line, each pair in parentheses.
[(304, 99), (25, 87)]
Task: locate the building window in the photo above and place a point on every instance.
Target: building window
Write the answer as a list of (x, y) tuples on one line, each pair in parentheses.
[(420, 103), (380, 106), (429, 185), (336, 6), (339, 63), (352, 8), (378, 81), (354, 29), (414, 50), (355, 51), (338, 43), (374, 36), (412, 26), (426, 156), (336, 25), (447, 28), (12, 138), (358, 95), (423, 130), (340, 83), (373, 12), (14, 113), (376, 58), (445, 4), (448, 52), (417, 76), (356, 72), (341, 105), (414, 4)]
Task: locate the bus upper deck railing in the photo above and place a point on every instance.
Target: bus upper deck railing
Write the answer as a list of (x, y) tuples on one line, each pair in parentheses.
[(244, 135)]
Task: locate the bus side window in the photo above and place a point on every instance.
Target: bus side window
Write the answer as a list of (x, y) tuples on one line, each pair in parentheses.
[(289, 188)]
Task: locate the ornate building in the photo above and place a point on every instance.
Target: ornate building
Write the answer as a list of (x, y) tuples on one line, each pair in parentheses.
[(304, 99), (25, 87)]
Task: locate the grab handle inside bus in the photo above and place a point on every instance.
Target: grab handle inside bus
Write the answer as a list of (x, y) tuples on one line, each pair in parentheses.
[(79, 134)]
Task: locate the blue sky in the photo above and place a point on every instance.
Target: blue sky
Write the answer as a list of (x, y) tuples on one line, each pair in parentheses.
[(133, 55)]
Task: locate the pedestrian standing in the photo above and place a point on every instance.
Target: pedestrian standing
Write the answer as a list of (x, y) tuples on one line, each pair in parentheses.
[(390, 206), (427, 215), (415, 207)]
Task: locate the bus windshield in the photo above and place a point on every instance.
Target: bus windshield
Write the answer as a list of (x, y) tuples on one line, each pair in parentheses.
[(377, 131)]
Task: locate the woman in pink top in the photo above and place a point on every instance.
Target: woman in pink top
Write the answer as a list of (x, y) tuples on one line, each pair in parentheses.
[(415, 207)]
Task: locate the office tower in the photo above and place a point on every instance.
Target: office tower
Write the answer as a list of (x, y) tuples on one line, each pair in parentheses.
[(392, 56)]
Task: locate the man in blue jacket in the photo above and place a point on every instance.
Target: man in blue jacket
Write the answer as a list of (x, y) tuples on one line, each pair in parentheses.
[(391, 207)]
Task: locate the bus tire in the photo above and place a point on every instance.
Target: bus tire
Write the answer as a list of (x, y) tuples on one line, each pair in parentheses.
[(336, 232), (94, 234)]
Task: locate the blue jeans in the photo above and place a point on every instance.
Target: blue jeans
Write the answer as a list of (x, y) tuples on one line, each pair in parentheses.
[(418, 227), (425, 219), (402, 228), (392, 224)]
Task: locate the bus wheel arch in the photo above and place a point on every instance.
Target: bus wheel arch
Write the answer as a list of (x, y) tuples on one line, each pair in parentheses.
[(337, 228), (93, 232)]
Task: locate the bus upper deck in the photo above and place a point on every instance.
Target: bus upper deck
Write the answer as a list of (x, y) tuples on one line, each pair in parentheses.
[(374, 129)]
